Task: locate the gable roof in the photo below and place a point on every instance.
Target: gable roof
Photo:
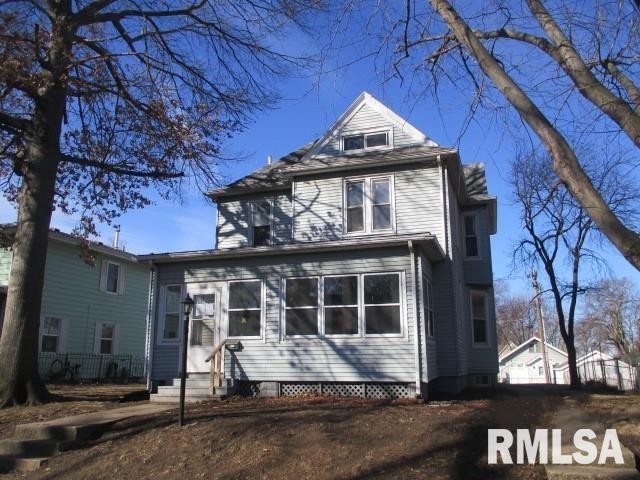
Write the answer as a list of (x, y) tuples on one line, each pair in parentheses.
[(526, 343)]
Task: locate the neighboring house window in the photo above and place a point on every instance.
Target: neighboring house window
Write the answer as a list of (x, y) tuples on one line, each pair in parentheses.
[(540, 371), (171, 324), (106, 340), (471, 235), (301, 306), (365, 140), (245, 308), (368, 205), (112, 277), (534, 348), (51, 332), (355, 206), (479, 316), (428, 304), (203, 308), (341, 305), (382, 304), (261, 223)]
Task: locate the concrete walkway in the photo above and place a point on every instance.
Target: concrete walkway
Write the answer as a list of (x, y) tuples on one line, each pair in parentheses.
[(34, 443), (570, 417)]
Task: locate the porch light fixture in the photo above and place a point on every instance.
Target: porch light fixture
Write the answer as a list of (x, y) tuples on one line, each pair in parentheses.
[(187, 305)]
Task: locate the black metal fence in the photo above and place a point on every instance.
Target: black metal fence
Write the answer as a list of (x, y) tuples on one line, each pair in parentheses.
[(90, 367)]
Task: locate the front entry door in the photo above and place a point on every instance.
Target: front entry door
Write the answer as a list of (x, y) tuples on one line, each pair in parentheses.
[(204, 329)]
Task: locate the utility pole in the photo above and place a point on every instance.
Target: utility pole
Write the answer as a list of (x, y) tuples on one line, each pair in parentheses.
[(543, 337)]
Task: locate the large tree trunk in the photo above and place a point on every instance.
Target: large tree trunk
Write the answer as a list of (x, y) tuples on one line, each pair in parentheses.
[(565, 162), (573, 367), (20, 381)]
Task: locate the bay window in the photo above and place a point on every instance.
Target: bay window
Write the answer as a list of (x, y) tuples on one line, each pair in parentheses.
[(479, 316), (470, 236)]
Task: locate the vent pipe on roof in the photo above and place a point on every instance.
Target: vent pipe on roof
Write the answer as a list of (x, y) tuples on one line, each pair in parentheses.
[(268, 159), (116, 238)]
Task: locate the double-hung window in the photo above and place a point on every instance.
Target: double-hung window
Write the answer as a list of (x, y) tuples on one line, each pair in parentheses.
[(341, 305), (245, 308), (301, 306), (382, 314), (479, 316), (471, 235), (106, 340), (369, 205), (112, 277), (171, 313), (51, 332), (261, 213)]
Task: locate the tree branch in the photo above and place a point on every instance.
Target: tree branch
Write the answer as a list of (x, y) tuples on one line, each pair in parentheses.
[(85, 162)]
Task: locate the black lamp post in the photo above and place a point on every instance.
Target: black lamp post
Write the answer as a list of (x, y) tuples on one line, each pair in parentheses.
[(187, 305)]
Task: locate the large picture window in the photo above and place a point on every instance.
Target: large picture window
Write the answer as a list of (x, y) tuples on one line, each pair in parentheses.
[(382, 304), (368, 205), (301, 306), (245, 308), (341, 305), (479, 316)]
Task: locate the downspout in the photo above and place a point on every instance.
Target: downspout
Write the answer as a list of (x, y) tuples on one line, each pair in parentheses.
[(445, 202), (151, 322), (416, 330)]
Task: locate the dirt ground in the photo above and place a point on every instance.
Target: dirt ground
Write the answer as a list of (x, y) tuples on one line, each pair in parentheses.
[(621, 412), (311, 437), (69, 400)]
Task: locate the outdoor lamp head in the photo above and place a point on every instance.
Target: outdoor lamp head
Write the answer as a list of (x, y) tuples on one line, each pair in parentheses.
[(187, 305)]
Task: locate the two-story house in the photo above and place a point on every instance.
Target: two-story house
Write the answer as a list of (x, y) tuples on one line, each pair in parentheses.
[(360, 264)]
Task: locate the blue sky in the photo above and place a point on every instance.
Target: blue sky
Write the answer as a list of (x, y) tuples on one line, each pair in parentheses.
[(305, 113)]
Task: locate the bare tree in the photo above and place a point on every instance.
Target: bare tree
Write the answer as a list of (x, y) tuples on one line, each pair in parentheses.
[(573, 64), (101, 100), (612, 318), (560, 235)]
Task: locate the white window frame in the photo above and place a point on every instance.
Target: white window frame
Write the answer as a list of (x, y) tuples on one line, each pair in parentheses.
[(374, 131), (161, 323), (319, 307), (251, 205), (98, 338), (476, 223), (368, 205), (358, 306), (262, 310), (61, 331), (430, 320), (486, 318), (361, 335), (400, 305), (104, 277)]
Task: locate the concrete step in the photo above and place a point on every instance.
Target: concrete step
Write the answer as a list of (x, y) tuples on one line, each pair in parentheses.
[(585, 472), (29, 448), (62, 433), (159, 398), (189, 391), (192, 382), (196, 376), (10, 463)]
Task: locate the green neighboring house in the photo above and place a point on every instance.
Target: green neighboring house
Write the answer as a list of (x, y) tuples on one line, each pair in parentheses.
[(93, 317)]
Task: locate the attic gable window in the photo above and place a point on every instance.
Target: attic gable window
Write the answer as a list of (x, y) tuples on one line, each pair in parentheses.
[(365, 141)]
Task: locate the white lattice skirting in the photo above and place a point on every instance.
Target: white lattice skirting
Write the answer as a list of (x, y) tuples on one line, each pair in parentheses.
[(367, 390)]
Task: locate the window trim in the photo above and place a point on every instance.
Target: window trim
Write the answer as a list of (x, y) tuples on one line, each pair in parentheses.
[(476, 223), (161, 340), (368, 205), (319, 307), (484, 293), (250, 224), (371, 131), (400, 305), (358, 306), (363, 206), (262, 309), (361, 335)]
